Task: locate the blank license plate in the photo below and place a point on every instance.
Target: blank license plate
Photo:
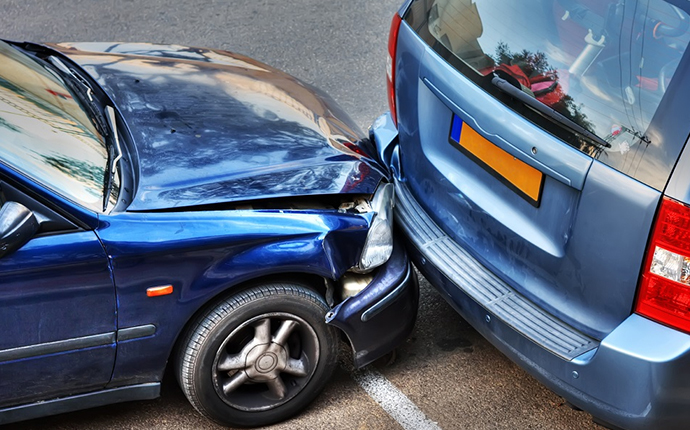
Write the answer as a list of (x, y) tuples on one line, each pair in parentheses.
[(520, 177)]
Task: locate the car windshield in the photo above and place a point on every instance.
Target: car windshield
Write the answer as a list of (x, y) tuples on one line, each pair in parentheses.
[(44, 132), (604, 65)]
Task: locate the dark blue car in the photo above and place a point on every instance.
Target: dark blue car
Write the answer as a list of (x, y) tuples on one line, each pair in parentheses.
[(165, 206), (543, 184)]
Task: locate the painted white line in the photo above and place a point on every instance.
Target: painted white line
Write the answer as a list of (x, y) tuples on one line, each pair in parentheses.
[(393, 401)]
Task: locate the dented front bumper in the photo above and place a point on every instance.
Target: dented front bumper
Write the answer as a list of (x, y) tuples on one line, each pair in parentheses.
[(382, 315)]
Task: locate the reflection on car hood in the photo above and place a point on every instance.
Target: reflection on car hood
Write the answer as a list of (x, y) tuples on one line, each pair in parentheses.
[(213, 127)]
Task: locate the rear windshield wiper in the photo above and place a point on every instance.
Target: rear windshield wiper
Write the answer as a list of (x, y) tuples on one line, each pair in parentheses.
[(113, 158), (508, 88), (82, 89)]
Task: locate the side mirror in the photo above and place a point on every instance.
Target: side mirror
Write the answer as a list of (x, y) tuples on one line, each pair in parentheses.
[(17, 226)]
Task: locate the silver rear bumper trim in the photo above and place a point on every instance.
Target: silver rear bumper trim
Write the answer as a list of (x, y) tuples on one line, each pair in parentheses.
[(492, 293)]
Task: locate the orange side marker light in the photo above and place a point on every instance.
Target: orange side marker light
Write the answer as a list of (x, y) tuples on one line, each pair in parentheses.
[(163, 290)]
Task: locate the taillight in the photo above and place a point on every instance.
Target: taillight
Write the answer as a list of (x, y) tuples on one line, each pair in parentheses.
[(390, 65), (664, 293)]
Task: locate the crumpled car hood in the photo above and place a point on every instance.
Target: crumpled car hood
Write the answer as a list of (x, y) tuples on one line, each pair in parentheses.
[(214, 127)]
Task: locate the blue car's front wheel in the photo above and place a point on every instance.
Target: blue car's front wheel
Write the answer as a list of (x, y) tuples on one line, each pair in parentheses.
[(258, 357)]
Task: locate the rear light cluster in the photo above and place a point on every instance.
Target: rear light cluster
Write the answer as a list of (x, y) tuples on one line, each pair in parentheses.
[(390, 65), (664, 293)]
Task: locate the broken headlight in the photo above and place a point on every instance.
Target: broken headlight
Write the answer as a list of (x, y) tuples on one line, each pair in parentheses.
[(379, 244)]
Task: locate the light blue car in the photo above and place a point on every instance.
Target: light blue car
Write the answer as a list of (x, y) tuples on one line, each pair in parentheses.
[(542, 185)]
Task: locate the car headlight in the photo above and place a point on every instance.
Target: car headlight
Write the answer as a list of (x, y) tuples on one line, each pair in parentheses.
[(379, 244)]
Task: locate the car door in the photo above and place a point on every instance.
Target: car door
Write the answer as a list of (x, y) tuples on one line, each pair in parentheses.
[(57, 310)]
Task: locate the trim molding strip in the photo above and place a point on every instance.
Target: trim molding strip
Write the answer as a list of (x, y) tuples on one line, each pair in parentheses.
[(136, 332), (90, 341), (57, 346)]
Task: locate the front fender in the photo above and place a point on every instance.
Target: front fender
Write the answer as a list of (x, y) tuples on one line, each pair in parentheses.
[(381, 316), (203, 255)]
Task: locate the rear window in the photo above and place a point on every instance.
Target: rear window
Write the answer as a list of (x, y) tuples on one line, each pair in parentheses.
[(605, 66)]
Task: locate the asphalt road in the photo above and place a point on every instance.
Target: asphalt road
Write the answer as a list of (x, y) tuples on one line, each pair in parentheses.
[(455, 377)]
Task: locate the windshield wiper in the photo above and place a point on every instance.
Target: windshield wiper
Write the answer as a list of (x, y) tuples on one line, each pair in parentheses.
[(508, 88), (113, 159), (83, 90)]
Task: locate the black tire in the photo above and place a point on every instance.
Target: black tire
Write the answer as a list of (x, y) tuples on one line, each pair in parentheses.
[(236, 356)]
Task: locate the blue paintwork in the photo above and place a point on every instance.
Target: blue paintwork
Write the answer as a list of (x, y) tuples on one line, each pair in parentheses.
[(243, 133), (55, 288), (204, 254), (371, 338), (636, 379), (567, 255), (81, 401), (213, 127), (385, 134), (577, 257), (498, 123)]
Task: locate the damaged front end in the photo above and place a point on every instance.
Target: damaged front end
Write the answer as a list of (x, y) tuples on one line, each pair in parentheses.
[(382, 314), (373, 293), (379, 296), (250, 174), (346, 240), (374, 302)]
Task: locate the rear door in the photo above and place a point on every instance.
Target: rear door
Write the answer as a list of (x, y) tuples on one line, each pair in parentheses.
[(559, 209)]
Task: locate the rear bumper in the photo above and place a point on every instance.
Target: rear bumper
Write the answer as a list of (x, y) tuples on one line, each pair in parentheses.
[(382, 315), (638, 377)]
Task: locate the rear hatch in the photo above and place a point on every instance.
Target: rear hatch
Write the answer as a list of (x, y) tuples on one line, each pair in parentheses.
[(539, 135)]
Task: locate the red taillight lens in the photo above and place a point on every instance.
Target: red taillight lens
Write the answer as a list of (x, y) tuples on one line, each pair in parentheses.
[(390, 65), (664, 293)]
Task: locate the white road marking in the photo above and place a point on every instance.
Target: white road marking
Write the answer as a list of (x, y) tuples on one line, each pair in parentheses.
[(393, 401)]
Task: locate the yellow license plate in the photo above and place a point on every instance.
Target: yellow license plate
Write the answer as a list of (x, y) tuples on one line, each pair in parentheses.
[(520, 177)]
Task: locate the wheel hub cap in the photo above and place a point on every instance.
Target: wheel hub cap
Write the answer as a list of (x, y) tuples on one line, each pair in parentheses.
[(265, 362), (281, 355)]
